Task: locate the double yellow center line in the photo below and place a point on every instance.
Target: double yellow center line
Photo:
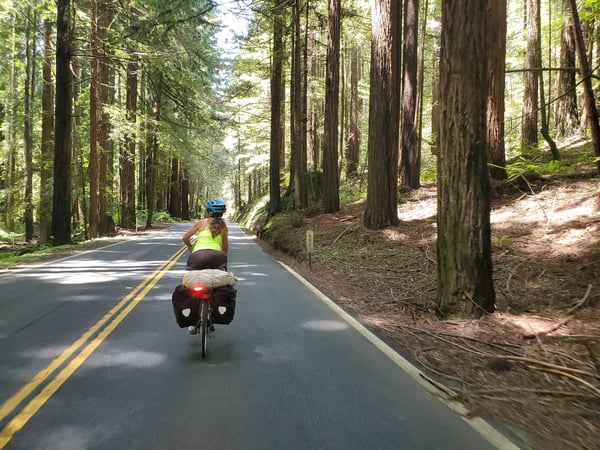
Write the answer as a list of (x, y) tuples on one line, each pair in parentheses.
[(101, 330)]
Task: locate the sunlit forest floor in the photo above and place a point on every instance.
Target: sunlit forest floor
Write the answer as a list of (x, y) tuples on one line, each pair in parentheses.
[(534, 365)]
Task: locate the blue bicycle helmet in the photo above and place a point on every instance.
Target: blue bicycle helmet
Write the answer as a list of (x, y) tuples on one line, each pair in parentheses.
[(216, 207)]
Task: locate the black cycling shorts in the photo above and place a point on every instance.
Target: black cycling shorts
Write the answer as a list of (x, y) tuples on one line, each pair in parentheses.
[(207, 259)]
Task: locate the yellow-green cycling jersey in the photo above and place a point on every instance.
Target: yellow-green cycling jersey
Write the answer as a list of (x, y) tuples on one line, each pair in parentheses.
[(206, 241)]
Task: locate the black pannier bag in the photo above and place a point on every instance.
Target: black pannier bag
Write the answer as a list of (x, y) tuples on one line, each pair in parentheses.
[(185, 307), (223, 304)]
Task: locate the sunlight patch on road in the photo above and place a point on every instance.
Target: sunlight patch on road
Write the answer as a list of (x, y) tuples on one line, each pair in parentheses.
[(87, 272), (271, 355), (85, 278), (136, 359), (69, 437), (325, 325), (245, 237)]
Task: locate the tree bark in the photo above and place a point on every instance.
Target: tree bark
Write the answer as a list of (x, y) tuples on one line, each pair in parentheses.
[(62, 196), (99, 121), (495, 103), (331, 197), (566, 115), (544, 129), (384, 110), (410, 159), (464, 263), (10, 125), (45, 210), (151, 161), (529, 132), (354, 135), (27, 127), (590, 102), (298, 144), (95, 118), (174, 206), (127, 157), (276, 116)]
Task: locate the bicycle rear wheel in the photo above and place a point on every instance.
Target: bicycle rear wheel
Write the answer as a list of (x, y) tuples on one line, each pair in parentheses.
[(205, 326)]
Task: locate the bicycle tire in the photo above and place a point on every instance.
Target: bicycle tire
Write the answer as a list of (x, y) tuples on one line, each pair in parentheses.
[(205, 326)]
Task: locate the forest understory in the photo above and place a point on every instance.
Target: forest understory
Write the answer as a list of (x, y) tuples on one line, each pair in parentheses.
[(533, 367)]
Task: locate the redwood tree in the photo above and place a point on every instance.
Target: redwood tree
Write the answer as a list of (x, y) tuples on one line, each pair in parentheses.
[(352, 147), (464, 262), (331, 197), (276, 110), (45, 210), (584, 69), (495, 101), (127, 150), (529, 129), (62, 197), (410, 160), (384, 110), (566, 115)]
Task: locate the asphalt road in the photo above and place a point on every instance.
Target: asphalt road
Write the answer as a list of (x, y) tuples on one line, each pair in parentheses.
[(91, 358)]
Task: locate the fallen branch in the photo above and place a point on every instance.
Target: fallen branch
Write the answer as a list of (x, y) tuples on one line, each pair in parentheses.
[(343, 232), (512, 272), (552, 392), (549, 365), (499, 346), (563, 322), (590, 386), (582, 301)]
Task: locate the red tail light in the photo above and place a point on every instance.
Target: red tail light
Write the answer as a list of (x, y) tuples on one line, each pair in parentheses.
[(201, 292)]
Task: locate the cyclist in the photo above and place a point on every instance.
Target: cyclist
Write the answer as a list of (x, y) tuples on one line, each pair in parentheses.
[(211, 246)]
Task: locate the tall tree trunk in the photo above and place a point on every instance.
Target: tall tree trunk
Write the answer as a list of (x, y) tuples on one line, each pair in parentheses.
[(353, 141), (9, 220), (95, 119), (27, 126), (143, 148), (298, 144), (495, 102), (276, 113), (544, 129), (127, 157), (435, 105), (421, 78), (45, 209), (566, 116), (331, 196), (410, 160), (529, 133), (62, 196), (185, 194), (99, 146), (590, 102), (79, 156), (384, 111), (151, 161), (464, 262), (174, 207), (313, 107)]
